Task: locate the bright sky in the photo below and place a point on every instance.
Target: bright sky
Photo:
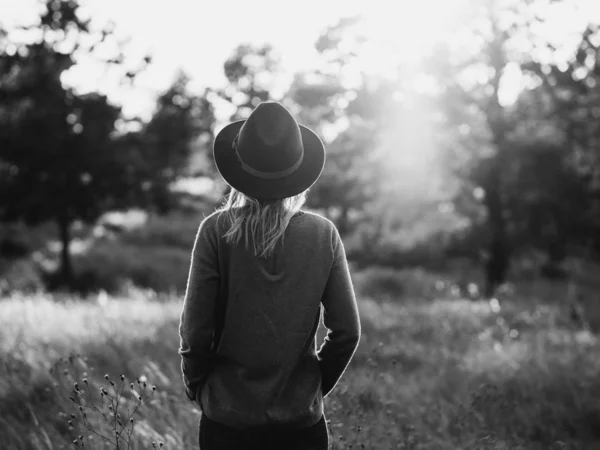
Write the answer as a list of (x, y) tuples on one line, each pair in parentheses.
[(198, 35)]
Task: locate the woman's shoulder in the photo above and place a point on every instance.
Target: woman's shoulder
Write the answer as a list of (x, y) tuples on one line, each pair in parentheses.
[(316, 220), (211, 221)]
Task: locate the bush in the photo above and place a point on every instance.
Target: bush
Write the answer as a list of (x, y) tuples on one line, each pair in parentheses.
[(18, 240), (367, 248), (22, 275), (110, 264), (387, 283), (13, 248), (175, 230), (107, 414), (379, 282)]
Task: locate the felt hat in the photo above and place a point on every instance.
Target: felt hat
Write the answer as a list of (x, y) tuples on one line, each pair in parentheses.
[(269, 156)]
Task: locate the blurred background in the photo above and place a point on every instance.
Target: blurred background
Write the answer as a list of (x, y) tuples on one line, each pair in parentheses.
[(463, 172), (456, 131)]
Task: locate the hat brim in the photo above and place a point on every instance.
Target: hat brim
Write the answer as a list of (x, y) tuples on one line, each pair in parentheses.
[(301, 179)]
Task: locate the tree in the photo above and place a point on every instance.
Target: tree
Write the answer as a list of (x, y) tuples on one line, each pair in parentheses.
[(531, 163), (347, 181), (470, 79), (182, 124), (346, 111), (57, 158), (568, 97), (546, 199), (251, 72)]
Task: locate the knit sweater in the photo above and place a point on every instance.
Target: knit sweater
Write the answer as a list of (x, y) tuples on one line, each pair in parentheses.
[(257, 363)]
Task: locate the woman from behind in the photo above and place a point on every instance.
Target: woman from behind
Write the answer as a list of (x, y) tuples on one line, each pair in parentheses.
[(262, 270)]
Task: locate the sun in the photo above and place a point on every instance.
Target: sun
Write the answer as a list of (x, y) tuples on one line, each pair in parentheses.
[(400, 35), (403, 32)]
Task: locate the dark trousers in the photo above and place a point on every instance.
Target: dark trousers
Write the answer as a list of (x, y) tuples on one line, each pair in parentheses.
[(216, 436)]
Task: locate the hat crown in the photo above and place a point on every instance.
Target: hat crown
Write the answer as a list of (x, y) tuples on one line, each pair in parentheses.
[(270, 141)]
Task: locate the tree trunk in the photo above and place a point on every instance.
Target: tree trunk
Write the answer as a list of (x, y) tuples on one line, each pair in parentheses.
[(66, 270), (499, 255)]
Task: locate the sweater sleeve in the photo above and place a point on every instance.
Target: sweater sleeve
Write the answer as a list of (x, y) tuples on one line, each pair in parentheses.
[(197, 323), (340, 316)]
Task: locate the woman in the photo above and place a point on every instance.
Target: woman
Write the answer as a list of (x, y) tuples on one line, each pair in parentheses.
[(260, 272)]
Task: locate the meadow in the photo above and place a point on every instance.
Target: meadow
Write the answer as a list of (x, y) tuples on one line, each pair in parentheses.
[(436, 368)]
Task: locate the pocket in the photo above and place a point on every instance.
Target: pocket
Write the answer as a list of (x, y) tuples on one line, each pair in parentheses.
[(199, 400), (317, 430), (199, 396), (315, 437)]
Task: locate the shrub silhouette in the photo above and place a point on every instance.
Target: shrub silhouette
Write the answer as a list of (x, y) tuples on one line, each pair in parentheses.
[(114, 403)]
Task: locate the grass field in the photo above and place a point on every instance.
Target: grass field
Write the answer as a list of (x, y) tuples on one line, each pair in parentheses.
[(432, 371)]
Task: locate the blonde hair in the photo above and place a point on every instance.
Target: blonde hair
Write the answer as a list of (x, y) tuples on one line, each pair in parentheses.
[(263, 220)]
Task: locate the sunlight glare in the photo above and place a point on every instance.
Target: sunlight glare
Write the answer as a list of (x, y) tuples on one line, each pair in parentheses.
[(511, 84), (403, 32)]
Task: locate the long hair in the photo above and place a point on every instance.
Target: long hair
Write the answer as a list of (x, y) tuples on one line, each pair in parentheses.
[(263, 220)]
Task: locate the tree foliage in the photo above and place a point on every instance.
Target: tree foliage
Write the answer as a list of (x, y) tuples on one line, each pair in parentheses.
[(57, 158), (250, 71), (181, 126)]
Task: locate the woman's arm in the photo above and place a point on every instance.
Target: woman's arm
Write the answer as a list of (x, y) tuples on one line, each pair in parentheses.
[(340, 316), (197, 322)]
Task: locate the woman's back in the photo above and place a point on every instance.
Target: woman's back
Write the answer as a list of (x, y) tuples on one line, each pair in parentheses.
[(267, 370)]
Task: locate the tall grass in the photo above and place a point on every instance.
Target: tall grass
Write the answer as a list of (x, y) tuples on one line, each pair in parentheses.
[(430, 373)]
